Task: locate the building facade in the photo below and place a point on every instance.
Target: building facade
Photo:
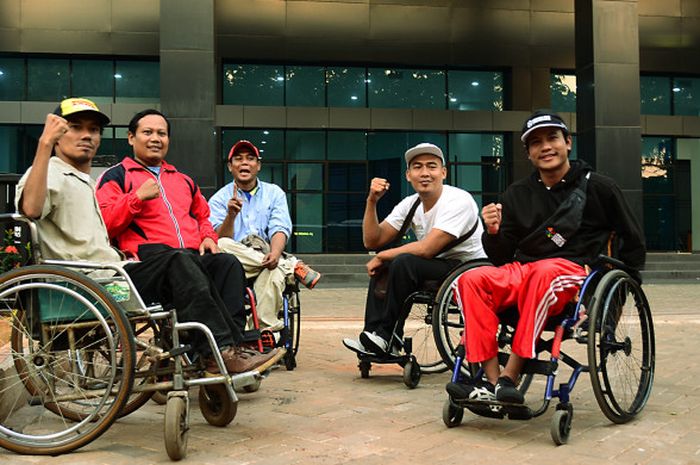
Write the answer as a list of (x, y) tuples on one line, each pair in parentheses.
[(333, 92)]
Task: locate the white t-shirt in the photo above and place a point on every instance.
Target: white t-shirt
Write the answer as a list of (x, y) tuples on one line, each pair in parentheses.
[(455, 213)]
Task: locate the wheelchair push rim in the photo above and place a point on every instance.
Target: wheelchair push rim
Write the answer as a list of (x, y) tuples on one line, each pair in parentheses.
[(621, 353)]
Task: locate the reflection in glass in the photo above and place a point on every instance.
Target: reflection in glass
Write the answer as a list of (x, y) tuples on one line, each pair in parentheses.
[(347, 145), (137, 82), (270, 142), (253, 85), (93, 79), (655, 95), (47, 79), (563, 92), (12, 77), (305, 86), (406, 88), (307, 219), (475, 90), (304, 176), (686, 96), (657, 161), (347, 87), (305, 145), (344, 222)]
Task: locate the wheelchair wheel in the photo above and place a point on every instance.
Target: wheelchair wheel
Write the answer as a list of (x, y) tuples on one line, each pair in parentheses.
[(451, 414), (216, 405), (294, 314), (620, 347), (411, 373), (176, 427), (145, 368), (447, 319), (419, 328), (560, 427), (73, 360)]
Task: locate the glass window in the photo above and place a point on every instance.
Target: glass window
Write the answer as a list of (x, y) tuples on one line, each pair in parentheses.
[(406, 88), (347, 145), (17, 147), (12, 78), (657, 165), (347, 177), (93, 79), (474, 147), (270, 142), (655, 95), (306, 145), (304, 177), (137, 82), (253, 85), (305, 86), (475, 90), (477, 164), (344, 222), (563, 92), (347, 87), (48, 79), (307, 216), (271, 172), (686, 96)]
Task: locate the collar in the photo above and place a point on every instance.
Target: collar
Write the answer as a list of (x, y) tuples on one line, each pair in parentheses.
[(67, 168), (131, 164)]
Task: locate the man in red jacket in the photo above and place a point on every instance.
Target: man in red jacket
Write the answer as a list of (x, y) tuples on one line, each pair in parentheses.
[(151, 209)]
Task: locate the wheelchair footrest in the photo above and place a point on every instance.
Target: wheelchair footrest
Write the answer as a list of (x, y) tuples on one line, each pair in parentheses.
[(251, 335), (532, 366), (400, 359), (496, 409)]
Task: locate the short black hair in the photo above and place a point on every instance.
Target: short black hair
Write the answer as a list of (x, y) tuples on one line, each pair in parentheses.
[(134, 123)]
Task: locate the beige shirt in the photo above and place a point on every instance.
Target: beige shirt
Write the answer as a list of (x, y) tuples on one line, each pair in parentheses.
[(71, 225)]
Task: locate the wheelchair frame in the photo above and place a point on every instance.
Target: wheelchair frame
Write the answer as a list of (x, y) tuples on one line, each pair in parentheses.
[(598, 319), (74, 367)]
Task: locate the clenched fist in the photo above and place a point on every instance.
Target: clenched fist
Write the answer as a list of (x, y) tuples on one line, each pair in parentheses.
[(491, 214), (378, 188)]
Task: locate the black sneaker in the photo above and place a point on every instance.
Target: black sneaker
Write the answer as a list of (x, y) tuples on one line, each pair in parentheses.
[(481, 390), (507, 391)]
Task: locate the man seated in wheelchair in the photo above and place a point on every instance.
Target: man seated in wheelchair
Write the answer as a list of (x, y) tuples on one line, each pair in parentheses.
[(253, 222), (543, 232), (58, 192), (446, 224)]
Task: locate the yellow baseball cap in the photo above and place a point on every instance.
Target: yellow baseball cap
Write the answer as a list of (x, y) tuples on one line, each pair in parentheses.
[(72, 106)]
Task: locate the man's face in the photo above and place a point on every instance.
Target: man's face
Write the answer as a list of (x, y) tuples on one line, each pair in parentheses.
[(244, 166), (80, 143), (426, 173), (548, 149), (151, 141)]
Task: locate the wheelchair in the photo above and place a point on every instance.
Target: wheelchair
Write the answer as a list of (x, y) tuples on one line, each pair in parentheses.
[(611, 317), (79, 349), (288, 337), (416, 352)]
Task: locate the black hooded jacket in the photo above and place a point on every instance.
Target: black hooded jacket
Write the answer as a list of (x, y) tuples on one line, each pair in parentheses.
[(528, 203)]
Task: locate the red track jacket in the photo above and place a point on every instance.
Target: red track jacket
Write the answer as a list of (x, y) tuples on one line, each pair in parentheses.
[(179, 217)]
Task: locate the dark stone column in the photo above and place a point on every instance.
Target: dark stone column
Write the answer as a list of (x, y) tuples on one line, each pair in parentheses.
[(607, 106), (188, 83)]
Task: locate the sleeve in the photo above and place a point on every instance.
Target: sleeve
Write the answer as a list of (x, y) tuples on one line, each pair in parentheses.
[(118, 206), (217, 205), (501, 247), (50, 193), (280, 220), (457, 215), (200, 211), (399, 212), (631, 236)]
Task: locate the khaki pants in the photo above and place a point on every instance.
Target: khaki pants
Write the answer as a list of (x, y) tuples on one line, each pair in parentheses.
[(269, 284)]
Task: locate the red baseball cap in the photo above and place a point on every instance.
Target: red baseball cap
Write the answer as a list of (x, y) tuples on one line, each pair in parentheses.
[(244, 144)]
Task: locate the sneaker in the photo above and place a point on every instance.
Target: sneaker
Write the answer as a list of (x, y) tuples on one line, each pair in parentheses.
[(480, 391), (374, 342), (306, 275), (356, 346), (239, 360), (507, 391)]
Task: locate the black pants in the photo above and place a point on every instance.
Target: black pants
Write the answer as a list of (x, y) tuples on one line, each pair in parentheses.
[(207, 289), (406, 274)]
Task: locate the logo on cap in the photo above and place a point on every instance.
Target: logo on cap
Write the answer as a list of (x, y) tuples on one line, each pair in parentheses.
[(539, 119)]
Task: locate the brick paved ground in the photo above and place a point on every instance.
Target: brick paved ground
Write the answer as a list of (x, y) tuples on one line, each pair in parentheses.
[(323, 412)]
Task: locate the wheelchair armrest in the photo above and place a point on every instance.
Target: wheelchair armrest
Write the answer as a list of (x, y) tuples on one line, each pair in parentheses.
[(603, 260)]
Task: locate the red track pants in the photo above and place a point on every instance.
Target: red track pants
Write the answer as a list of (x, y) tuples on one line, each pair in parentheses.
[(539, 290)]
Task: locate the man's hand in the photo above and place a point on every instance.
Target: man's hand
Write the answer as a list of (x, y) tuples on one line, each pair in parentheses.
[(491, 214), (271, 260), (54, 128), (234, 204), (148, 190), (373, 265), (208, 245), (377, 189)]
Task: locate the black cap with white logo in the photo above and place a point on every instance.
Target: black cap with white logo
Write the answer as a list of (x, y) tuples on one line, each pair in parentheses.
[(542, 119)]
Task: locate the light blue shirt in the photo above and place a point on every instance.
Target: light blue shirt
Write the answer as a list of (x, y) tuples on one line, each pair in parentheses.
[(264, 213)]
